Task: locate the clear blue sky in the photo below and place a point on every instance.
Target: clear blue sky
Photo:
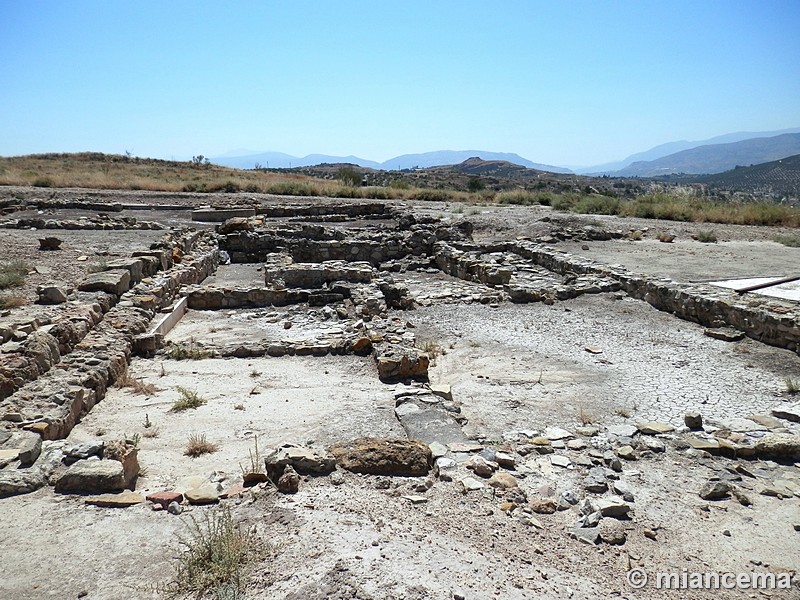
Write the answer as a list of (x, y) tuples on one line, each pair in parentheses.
[(559, 82)]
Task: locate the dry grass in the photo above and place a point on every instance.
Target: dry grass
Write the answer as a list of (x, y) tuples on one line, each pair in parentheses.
[(12, 301), (189, 399), (432, 348), (12, 274), (585, 417), (215, 558), (197, 445), (136, 386), (792, 386)]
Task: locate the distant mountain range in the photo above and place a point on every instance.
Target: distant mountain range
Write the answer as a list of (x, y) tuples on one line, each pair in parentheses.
[(279, 160), (675, 147), (716, 158), (713, 155)]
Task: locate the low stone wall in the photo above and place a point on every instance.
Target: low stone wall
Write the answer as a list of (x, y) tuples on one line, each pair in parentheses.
[(317, 274), (360, 209), (768, 320), (93, 223), (91, 351), (470, 266)]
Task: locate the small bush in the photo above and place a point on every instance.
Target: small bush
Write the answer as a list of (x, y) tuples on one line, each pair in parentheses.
[(432, 195), (215, 557), (525, 198), (349, 176), (12, 274), (44, 182), (793, 241), (189, 399), (596, 204), (12, 301), (706, 237), (199, 445), (635, 235), (431, 348), (792, 386)]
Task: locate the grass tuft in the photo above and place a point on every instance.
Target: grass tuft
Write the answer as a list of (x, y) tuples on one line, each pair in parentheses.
[(189, 399), (197, 445), (216, 555), (792, 241), (12, 274), (792, 386), (706, 237)]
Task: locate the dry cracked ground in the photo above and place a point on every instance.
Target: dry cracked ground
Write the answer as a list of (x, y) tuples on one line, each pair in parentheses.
[(399, 429)]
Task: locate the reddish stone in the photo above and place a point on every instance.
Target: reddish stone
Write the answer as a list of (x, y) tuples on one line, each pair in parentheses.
[(237, 489), (164, 498)]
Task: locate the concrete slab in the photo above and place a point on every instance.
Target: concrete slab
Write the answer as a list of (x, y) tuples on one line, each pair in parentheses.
[(785, 291)]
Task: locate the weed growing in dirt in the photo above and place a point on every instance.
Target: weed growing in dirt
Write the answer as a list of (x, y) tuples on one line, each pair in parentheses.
[(585, 417), (189, 399), (12, 274), (254, 373), (150, 430), (137, 386), (793, 241), (792, 386), (622, 411), (12, 301), (199, 445), (635, 235), (431, 348), (215, 557), (256, 464), (706, 237)]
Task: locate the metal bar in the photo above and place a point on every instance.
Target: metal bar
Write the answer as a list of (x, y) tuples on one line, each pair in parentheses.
[(759, 286)]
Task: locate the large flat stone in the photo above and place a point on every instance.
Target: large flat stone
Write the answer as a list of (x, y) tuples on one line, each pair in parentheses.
[(114, 281), (122, 500), (91, 477), (381, 456)]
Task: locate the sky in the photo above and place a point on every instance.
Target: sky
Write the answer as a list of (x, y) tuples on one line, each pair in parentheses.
[(567, 83)]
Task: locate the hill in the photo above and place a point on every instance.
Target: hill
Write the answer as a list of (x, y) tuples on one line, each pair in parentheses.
[(779, 178), (716, 158), (279, 160)]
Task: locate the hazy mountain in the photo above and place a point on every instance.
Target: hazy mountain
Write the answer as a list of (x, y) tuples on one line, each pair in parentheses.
[(279, 160), (716, 158), (454, 157), (674, 147)]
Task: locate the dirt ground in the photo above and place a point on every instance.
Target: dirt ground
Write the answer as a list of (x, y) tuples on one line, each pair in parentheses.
[(511, 368)]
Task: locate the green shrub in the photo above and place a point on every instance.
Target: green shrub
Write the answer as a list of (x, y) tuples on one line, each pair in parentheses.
[(349, 177), (292, 188), (597, 205), (188, 399), (525, 198), (215, 557), (793, 241), (44, 182), (706, 237), (12, 274), (429, 195)]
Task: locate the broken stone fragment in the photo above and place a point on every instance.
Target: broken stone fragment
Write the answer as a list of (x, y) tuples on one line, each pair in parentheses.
[(208, 493), (301, 459), (714, 490), (655, 428), (693, 420), (611, 531), (289, 482), (51, 294), (121, 500), (165, 498)]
